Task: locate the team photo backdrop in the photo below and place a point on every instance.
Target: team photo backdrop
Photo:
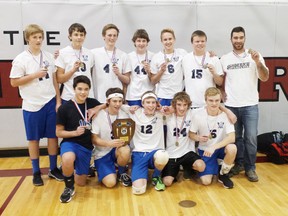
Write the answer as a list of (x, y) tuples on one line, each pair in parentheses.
[(264, 22)]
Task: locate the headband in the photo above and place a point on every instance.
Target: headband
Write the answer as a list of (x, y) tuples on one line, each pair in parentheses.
[(115, 95), (147, 95)]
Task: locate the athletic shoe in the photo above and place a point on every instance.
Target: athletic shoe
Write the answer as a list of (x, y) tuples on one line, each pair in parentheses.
[(225, 180), (56, 174), (157, 182), (91, 172), (37, 180), (236, 170), (67, 195), (189, 175), (252, 176), (125, 179)]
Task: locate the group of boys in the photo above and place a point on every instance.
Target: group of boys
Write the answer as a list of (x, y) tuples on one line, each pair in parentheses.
[(86, 75)]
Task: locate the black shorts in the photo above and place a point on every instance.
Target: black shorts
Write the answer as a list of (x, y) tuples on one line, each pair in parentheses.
[(173, 166)]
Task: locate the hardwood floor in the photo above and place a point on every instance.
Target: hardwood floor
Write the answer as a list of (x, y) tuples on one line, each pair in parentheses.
[(269, 196)]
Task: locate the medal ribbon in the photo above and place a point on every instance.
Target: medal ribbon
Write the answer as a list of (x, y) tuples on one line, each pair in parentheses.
[(202, 60), (80, 54), (181, 127), (41, 58), (79, 110), (165, 56), (109, 120), (113, 58)]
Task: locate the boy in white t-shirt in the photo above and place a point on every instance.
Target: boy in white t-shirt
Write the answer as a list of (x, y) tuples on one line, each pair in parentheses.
[(33, 71), (112, 66), (180, 147), (140, 60), (148, 144), (109, 150), (216, 136), (74, 60)]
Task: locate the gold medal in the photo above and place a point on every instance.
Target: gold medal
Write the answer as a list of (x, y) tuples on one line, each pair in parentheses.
[(82, 64), (250, 51), (167, 60), (210, 136), (114, 65), (143, 62), (177, 143), (164, 117)]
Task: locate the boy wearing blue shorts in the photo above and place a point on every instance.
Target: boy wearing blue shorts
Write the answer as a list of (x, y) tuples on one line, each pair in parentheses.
[(109, 150), (75, 129), (148, 140), (216, 137), (33, 71)]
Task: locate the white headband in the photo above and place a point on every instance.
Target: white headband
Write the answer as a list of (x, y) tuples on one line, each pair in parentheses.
[(149, 94), (115, 95)]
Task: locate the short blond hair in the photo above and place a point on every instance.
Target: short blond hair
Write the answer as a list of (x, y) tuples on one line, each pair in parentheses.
[(167, 30), (32, 29), (212, 91)]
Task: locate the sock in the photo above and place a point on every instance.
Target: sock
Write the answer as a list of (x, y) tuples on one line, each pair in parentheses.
[(35, 165), (156, 173), (53, 161), (122, 169), (225, 168), (69, 181)]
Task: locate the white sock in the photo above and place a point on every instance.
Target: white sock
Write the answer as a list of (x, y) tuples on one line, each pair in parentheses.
[(225, 168)]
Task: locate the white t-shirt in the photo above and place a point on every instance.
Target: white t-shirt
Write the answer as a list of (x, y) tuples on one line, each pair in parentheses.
[(196, 78), (149, 134), (241, 82), (171, 80), (38, 92), (178, 131), (204, 124), (66, 59), (102, 127), (139, 80), (103, 75)]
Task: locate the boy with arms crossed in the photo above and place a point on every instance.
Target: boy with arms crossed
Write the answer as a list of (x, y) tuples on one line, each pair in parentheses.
[(216, 135), (108, 150), (75, 129), (180, 147), (33, 72)]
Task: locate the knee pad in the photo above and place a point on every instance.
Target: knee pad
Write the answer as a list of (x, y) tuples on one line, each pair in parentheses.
[(161, 157), (139, 190)]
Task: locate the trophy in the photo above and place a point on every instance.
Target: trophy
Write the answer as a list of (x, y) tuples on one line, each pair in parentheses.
[(123, 129)]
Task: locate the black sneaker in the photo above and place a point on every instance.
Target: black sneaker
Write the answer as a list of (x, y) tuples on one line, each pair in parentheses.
[(56, 174), (236, 170), (189, 174), (91, 172), (67, 195), (37, 180), (125, 179), (225, 180)]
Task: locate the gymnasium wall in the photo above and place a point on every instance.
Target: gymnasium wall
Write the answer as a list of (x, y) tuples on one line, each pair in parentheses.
[(264, 22)]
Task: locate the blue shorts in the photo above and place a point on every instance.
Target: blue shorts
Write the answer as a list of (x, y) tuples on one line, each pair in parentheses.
[(106, 165), (165, 102), (42, 123), (141, 163), (134, 102), (83, 156), (212, 167)]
